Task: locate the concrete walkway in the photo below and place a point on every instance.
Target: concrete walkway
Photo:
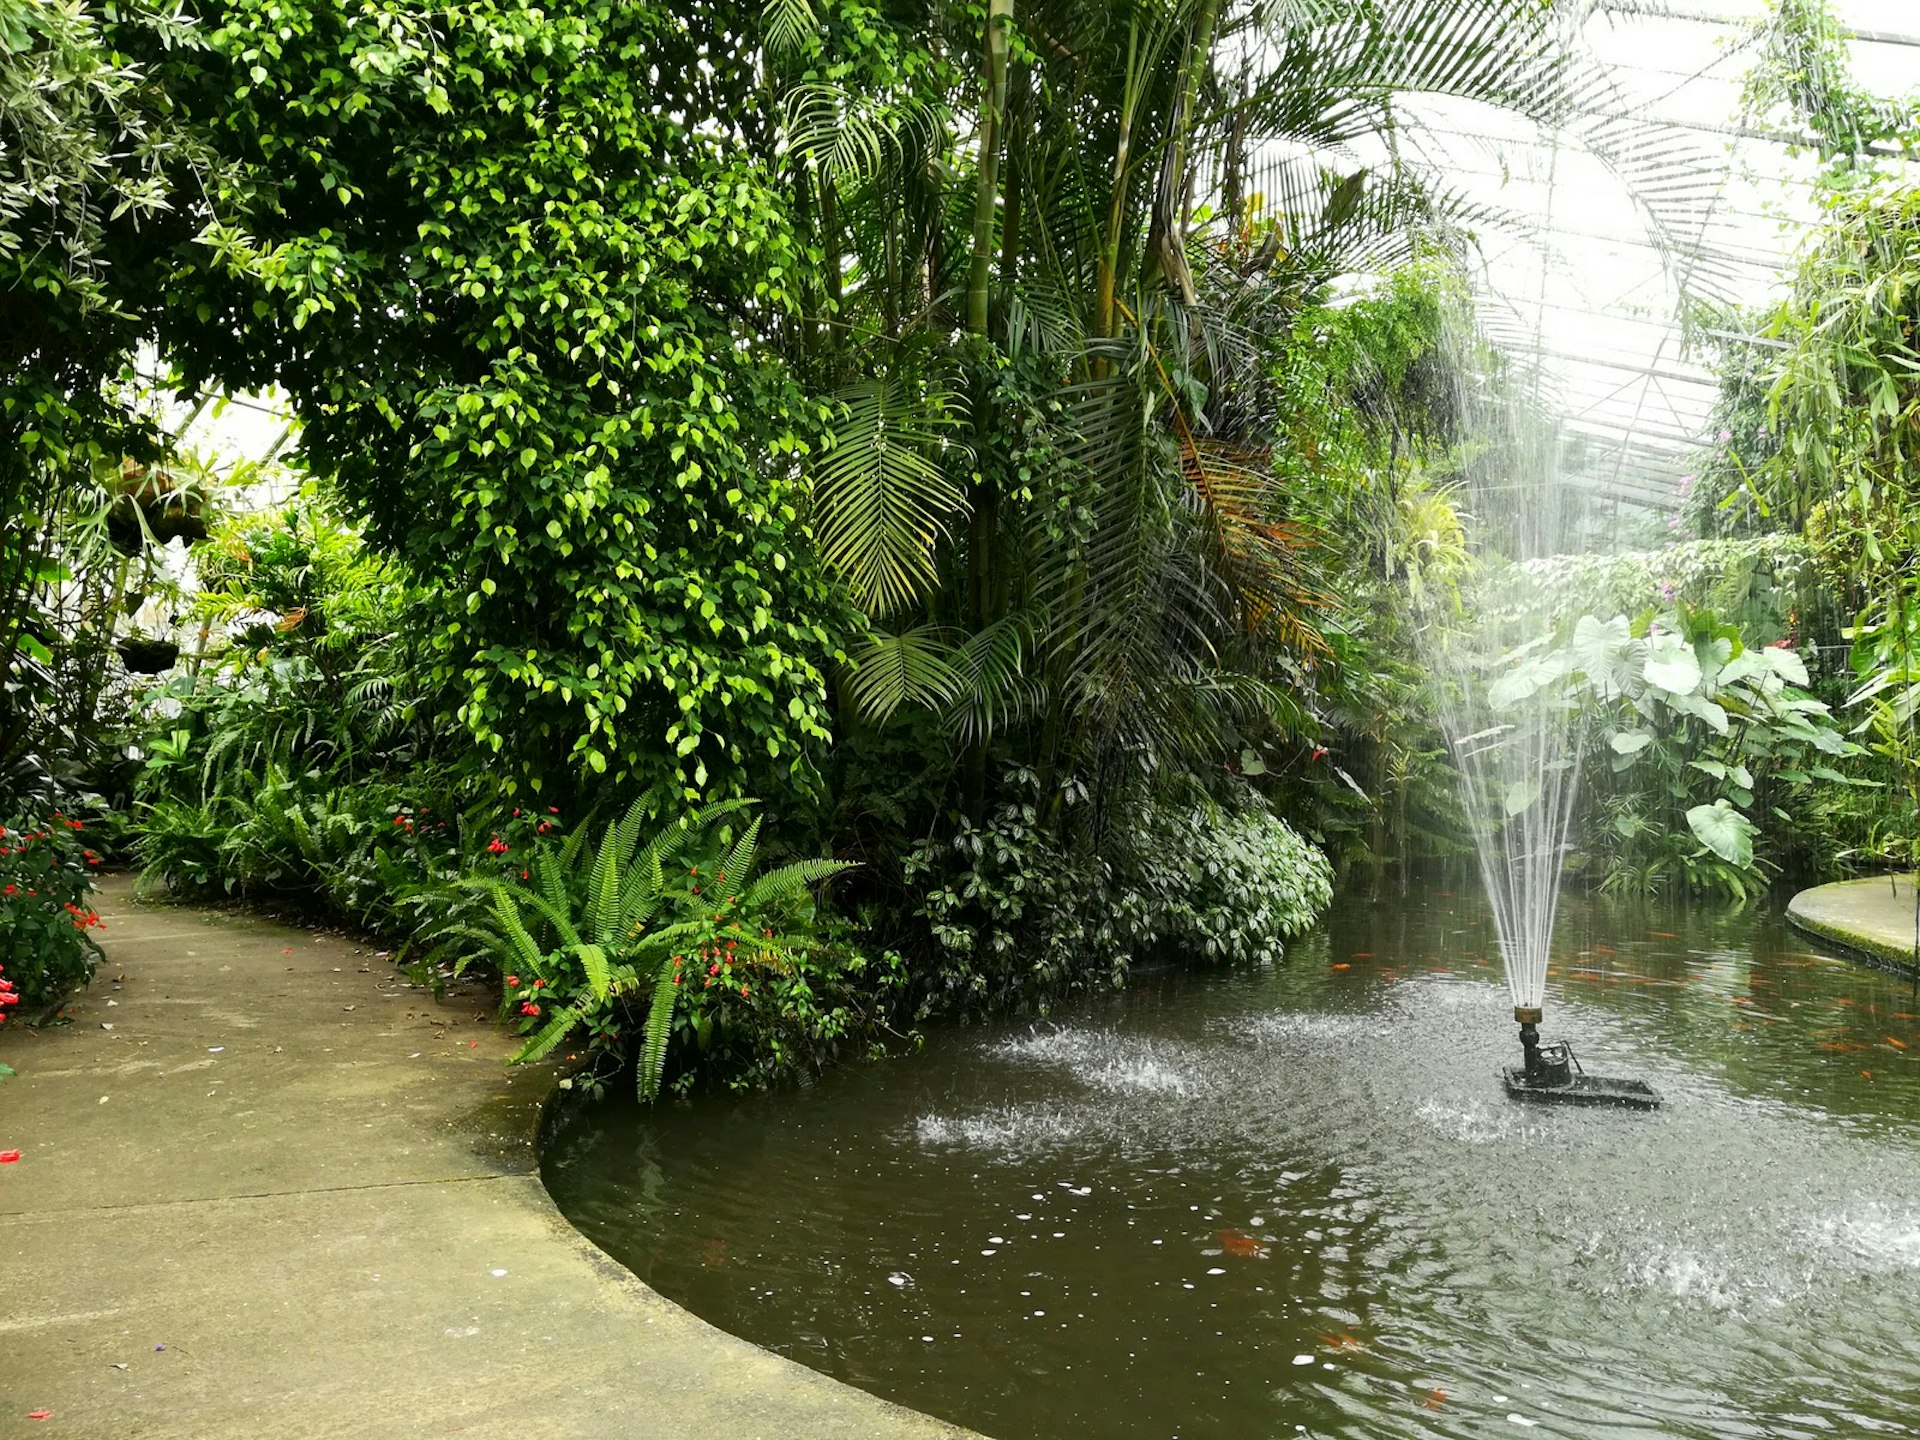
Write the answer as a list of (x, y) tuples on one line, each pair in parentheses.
[(268, 1190), (1874, 917)]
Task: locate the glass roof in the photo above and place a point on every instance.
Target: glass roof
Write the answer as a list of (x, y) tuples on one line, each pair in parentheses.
[(1582, 284)]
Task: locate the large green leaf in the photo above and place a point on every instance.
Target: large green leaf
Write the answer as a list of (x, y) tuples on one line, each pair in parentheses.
[(882, 501), (1724, 831), (1671, 664)]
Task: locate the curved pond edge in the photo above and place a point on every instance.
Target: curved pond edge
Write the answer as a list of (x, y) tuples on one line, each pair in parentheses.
[(789, 1400), (1872, 920), (295, 1195)]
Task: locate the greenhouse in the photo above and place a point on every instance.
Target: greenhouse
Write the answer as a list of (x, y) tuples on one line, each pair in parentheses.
[(1150, 719)]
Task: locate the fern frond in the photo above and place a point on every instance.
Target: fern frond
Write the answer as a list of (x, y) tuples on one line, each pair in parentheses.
[(547, 1036), (739, 861), (791, 880), (653, 1053), (593, 960)]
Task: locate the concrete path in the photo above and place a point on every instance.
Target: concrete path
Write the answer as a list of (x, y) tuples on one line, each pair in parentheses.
[(268, 1190), (1875, 917)]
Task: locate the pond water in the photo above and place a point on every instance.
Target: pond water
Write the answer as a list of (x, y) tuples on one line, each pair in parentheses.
[(1295, 1201)]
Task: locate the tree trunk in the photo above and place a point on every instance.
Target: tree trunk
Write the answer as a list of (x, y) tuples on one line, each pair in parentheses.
[(993, 106)]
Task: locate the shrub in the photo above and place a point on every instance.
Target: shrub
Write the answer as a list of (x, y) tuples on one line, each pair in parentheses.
[(1016, 918), (611, 938), (46, 924), (1223, 885)]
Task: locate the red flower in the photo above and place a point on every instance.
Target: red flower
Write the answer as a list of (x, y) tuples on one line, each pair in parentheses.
[(713, 970), (539, 984), (513, 982), (743, 992), (553, 809), (497, 846), (529, 1008)]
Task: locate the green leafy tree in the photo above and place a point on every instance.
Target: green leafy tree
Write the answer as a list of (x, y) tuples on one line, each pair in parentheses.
[(89, 152), (512, 261)]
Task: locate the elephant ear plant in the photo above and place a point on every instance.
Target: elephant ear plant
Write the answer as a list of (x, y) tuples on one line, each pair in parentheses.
[(599, 937)]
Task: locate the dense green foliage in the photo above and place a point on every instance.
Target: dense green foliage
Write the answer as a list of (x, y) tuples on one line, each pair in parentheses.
[(514, 297), (1015, 441), (46, 924), (621, 937), (1702, 750), (1817, 418)]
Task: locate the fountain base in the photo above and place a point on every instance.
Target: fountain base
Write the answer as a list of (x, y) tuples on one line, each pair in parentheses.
[(1552, 1074)]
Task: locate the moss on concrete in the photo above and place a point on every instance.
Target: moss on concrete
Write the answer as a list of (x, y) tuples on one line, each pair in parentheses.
[(1873, 919)]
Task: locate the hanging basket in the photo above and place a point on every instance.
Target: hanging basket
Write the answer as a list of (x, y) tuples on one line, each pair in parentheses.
[(147, 657), (124, 528)]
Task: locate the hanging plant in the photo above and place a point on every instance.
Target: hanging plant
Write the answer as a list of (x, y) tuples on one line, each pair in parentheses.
[(145, 655), (154, 505)]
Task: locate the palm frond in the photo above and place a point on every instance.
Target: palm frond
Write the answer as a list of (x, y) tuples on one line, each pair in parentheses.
[(882, 501), (914, 667)]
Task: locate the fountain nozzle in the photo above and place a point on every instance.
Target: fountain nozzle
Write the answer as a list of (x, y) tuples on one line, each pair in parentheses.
[(1529, 1017)]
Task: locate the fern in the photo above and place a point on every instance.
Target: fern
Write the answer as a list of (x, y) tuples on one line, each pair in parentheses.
[(598, 923)]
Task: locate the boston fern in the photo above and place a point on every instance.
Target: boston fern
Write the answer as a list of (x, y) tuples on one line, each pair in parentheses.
[(593, 928)]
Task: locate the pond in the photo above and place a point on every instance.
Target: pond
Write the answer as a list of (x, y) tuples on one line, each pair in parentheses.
[(1223, 1206)]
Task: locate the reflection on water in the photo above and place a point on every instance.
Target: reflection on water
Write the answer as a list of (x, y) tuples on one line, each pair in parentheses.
[(1295, 1202)]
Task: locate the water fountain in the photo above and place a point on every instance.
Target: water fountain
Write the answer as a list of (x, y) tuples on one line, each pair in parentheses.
[(1516, 724)]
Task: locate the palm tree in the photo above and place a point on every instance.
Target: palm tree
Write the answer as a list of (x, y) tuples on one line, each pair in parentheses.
[(1052, 248)]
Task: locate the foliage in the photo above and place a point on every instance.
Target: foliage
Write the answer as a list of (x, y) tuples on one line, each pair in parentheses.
[(608, 934), (508, 260), (1016, 921), (1764, 584), (1801, 84), (1221, 884), (1698, 746), (46, 925), (88, 154)]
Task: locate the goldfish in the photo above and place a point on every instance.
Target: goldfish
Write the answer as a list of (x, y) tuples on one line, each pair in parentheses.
[(1238, 1242), (1897, 1044), (1343, 966)]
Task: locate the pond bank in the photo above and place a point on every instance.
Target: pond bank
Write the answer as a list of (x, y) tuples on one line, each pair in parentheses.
[(1874, 918), (267, 1188)]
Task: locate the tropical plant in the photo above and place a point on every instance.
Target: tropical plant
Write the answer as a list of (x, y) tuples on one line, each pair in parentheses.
[(1697, 744), (599, 934), (46, 923), (557, 407)]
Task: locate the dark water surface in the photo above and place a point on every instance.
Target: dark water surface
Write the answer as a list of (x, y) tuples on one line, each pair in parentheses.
[(1294, 1201)]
